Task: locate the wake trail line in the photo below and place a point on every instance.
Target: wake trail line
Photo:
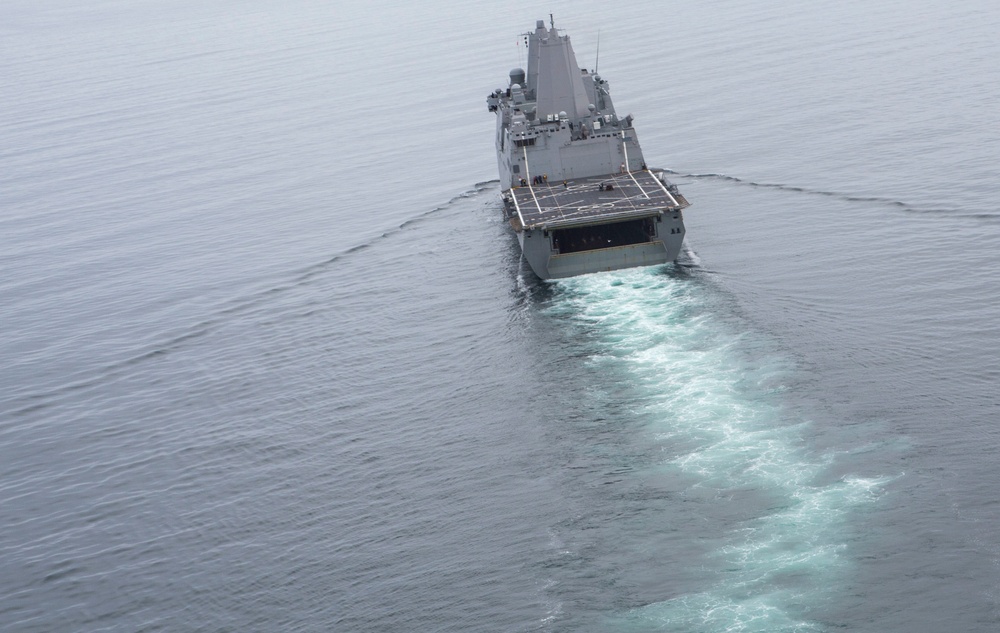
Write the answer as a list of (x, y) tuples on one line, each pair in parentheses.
[(27, 403), (889, 202)]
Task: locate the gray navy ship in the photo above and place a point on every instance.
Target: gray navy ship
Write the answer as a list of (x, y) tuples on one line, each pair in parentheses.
[(576, 189)]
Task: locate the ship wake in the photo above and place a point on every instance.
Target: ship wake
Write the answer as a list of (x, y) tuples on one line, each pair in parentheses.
[(772, 523)]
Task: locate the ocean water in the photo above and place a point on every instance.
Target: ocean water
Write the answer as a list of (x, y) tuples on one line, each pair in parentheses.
[(272, 360)]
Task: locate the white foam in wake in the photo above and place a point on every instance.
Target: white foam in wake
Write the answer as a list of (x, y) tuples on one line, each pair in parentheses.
[(713, 398)]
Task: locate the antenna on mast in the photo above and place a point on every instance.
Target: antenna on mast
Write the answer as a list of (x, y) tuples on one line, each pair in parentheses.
[(552, 23), (598, 60)]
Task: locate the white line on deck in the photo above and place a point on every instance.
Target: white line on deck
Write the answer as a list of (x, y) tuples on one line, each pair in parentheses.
[(531, 188), (518, 208), (666, 191), (629, 171)]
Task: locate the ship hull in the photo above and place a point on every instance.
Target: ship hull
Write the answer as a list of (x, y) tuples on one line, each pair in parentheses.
[(575, 186), (543, 255)]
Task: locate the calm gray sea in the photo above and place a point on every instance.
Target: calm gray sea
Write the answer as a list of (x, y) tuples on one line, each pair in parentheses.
[(271, 360)]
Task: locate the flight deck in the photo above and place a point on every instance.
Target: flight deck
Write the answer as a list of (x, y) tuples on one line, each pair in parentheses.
[(580, 201)]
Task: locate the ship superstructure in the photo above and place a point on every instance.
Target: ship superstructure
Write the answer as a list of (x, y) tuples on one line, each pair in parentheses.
[(575, 184)]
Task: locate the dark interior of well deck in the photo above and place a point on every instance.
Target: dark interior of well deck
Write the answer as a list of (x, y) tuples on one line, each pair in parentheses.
[(588, 238)]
